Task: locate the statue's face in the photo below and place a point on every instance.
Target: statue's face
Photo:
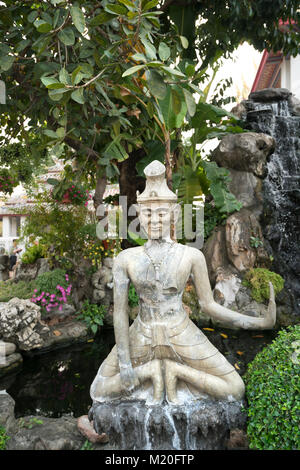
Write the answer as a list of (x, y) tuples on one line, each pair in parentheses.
[(156, 218)]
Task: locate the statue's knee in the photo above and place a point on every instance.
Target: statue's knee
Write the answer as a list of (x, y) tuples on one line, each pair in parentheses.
[(235, 385)]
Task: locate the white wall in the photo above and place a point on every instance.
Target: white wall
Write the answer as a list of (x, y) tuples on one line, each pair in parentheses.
[(286, 74), (295, 75)]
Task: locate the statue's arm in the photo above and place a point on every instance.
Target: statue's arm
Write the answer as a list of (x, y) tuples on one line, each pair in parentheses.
[(223, 314), (121, 323)]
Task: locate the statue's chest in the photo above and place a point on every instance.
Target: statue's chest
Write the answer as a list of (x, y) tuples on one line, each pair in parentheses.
[(158, 274)]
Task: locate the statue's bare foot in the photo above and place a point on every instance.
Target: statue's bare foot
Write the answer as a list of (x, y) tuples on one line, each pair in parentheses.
[(171, 381)]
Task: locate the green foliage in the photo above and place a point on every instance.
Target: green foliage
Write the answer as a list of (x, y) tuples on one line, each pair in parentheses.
[(256, 242), (258, 280), (20, 162), (273, 393), (92, 315), (69, 191), (29, 423), (133, 298), (59, 230), (10, 289), (7, 181), (212, 218), (87, 445), (48, 281), (218, 179), (32, 253), (3, 438)]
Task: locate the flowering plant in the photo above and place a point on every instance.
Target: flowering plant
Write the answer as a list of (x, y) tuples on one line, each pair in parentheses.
[(95, 251), (7, 182), (48, 296), (76, 194), (69, 193)]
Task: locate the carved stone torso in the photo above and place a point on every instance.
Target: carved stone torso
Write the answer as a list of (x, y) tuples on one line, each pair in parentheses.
[(160, 299)]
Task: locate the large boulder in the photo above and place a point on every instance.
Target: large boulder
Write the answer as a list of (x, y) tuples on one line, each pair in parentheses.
[(28, 272), (20, 323), (229, 250), (270, 94), (245, 152)]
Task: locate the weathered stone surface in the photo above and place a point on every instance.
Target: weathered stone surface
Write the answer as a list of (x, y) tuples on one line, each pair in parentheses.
[(7, 417), (270, 94), (18, 321), (226, 289), (247, 189), (10, 364), (7, 348), (27, 272), (245, 152), (215, 253), (86, 428), (294, 105), (64, 334), (240, 227), (46, 434), (237, 440), (66, 311), (201, 425)]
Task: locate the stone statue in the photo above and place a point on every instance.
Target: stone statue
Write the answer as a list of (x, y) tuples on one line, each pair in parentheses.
[(4, 265), (163, 354)]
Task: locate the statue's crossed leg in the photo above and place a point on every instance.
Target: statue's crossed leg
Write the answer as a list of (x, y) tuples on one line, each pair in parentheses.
[(165, 374)]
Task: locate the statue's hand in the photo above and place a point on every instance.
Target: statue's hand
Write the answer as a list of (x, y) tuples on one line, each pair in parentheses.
[(129, 379), (270, 317)]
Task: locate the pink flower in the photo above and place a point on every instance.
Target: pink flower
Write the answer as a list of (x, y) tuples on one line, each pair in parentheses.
[(60, 308)]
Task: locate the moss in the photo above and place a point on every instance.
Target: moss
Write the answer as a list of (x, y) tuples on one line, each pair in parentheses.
[(272, 390), (258, 281)]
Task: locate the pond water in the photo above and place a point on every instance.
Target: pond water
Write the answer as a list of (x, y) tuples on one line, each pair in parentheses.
[(58, 382)]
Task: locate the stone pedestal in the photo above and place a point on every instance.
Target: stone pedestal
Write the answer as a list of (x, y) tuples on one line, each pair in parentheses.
[(200, 425)]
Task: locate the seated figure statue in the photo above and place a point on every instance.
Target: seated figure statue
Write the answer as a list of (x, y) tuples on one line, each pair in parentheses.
[(163, 354)]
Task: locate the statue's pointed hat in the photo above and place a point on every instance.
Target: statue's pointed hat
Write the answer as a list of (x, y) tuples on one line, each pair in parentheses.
[(156, 189)]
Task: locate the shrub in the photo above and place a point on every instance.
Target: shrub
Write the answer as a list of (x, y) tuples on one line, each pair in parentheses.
[(52, 289), (273, 393), (10, 289), (92, 315), (258, 280), (32, 253), (3, 438)]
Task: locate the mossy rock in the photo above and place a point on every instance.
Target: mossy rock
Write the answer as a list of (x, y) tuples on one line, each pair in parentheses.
[(258, 279)]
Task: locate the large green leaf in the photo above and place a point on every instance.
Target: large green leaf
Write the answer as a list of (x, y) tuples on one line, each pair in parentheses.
[(67, 36), (164, 51), (102, 18), (132, 70), (173, 114), (42, 26), (78, 18), (77, 96), (190, 102), (6, 62), (156, 84)]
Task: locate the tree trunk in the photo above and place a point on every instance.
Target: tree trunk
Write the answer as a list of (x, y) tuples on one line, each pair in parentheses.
[(168, 159), (130, 182), (99, 191)]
